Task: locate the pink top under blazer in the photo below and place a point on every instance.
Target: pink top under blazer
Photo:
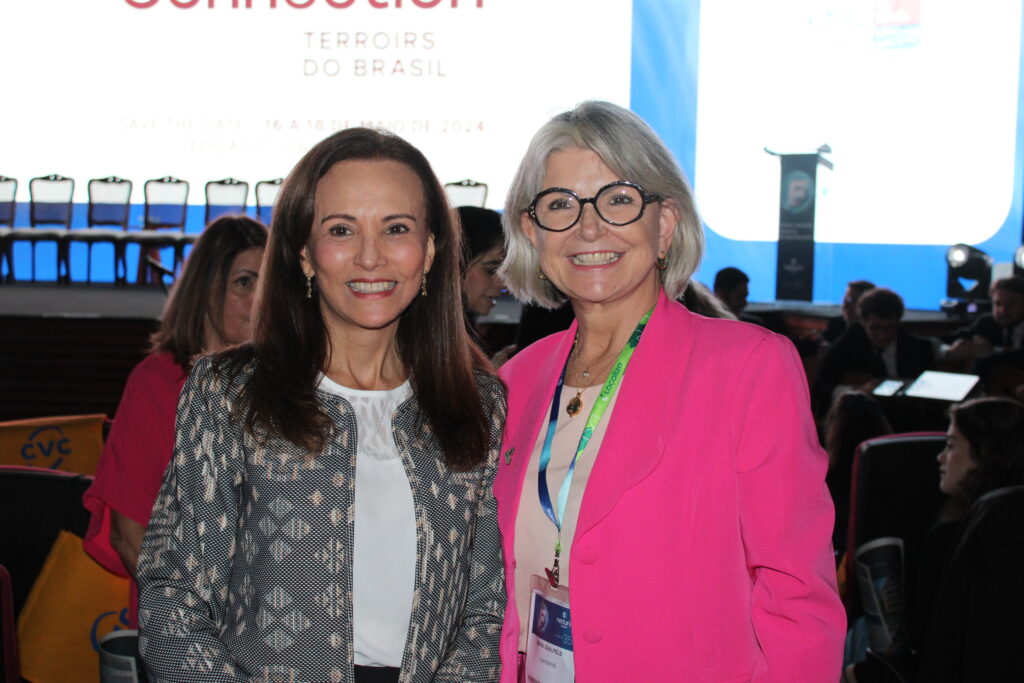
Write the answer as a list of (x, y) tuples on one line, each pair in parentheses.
[(703, 546)]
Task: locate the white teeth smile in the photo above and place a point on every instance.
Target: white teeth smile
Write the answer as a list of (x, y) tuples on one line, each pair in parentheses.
[(600, 258), (372, 287)]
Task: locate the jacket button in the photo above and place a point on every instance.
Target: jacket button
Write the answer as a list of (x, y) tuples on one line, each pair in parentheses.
[(592, 635), (588, 556)]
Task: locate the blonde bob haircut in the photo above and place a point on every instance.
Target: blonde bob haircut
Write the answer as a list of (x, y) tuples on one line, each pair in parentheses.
[(630, 148)]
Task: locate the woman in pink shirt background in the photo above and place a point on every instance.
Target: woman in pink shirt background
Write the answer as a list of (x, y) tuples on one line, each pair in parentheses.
[(208, 309)]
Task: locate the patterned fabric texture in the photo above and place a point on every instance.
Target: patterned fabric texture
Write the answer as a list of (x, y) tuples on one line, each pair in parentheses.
[(246, 569)]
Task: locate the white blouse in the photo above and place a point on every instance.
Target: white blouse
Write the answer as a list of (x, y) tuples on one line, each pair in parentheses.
[(536, 535), (384, 560)]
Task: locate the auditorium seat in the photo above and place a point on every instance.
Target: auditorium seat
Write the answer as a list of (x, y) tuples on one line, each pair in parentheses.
[(894, 492), (266, 195), (35, 505), (109, 202), (466, 193), (977, 625), (228, 195), (8, 631), (50, 200), (163, 225), (8, 194), (64, 600), (69, 443)]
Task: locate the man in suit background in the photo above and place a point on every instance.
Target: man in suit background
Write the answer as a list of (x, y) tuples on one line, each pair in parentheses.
[(1001, 330), (872, 349), (848, 310), (992, 346), (732, 286)]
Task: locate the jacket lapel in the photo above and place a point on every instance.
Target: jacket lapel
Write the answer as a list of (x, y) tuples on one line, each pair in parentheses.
[(530, 395), (634, 443)]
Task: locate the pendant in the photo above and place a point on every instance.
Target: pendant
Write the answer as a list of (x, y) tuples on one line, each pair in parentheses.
[(575, 404)]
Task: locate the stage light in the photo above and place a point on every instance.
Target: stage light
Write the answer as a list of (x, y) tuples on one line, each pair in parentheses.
[(969, 272), (1018, 261), (957, 255)]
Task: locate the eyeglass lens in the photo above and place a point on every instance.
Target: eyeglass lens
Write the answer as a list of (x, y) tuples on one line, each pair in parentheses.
[(615, 204)]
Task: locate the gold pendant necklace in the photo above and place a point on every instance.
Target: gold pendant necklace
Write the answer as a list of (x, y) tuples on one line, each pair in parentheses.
[(575, 404)]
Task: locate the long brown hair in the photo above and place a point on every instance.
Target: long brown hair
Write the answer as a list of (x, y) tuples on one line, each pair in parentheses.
[(290, 340), (197, 297)]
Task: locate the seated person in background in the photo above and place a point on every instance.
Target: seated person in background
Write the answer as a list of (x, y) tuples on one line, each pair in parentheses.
[(992, 346), (984, 452), (483, 249), (208, 309), (1001, 330), (848, 310), (854, 418), (872, 349), (701, 301), (732, 288)]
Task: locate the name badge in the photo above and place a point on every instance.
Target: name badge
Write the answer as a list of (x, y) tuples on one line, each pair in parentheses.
[(549, 656)]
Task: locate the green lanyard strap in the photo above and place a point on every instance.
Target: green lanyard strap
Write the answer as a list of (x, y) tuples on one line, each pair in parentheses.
[(611, 385)]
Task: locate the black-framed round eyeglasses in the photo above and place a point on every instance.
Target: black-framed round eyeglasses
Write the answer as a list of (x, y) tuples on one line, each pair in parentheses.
[(620, 203)]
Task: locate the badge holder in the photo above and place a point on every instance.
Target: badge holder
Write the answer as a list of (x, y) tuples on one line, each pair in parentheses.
[(549, 643)]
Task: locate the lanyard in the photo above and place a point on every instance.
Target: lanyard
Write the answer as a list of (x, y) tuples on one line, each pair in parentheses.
[(593, 419)]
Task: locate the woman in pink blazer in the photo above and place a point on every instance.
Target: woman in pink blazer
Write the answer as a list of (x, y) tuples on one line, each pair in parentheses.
[(691, 541)]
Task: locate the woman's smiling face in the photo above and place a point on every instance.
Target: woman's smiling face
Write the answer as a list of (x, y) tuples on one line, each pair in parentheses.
[(595, 261), (370, 244)]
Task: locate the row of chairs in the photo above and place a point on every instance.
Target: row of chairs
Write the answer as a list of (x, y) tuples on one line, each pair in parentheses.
[(163, 225), (164, 216)]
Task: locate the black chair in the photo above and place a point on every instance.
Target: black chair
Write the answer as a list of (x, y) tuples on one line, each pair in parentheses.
[(35, 505), (977, 626), (109, 203), (163, 226), (466, 193), (894, 492), (229, 195), (266, 195), (50, 200), (10, 669), (8, 193), (166, 203)]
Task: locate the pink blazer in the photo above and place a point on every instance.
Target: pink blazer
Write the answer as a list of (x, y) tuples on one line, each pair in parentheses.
[(703, 546)]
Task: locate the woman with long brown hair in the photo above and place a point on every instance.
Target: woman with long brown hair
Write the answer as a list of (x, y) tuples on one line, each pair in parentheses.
[(328, 515)]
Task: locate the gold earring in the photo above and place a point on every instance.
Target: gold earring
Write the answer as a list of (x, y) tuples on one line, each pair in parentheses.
[(309, 286), (661, 263), (423, 285), (540, 274)]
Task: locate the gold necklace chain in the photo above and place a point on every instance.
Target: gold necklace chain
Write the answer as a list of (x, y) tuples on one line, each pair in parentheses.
[(575, 404)]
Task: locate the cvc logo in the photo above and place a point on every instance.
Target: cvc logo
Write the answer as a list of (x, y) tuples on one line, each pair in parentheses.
[(98, 629), (48, 443)]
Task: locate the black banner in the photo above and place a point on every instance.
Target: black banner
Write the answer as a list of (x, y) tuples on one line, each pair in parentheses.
[(794, 279)]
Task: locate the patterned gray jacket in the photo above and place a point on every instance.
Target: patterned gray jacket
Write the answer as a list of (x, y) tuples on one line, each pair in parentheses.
[(246, 574)]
